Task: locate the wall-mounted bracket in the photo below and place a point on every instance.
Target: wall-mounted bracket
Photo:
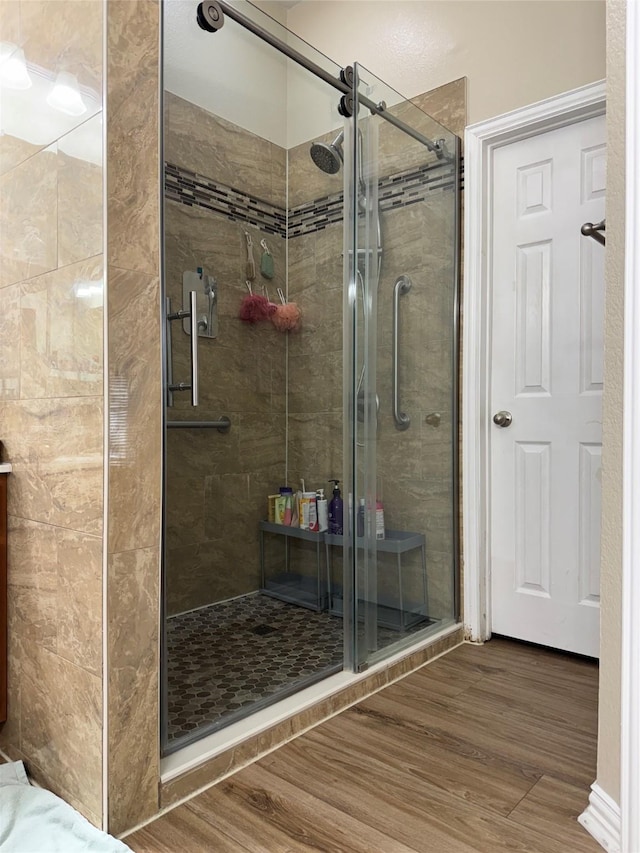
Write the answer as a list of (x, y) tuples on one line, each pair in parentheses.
[(210, 16), (345, 104)]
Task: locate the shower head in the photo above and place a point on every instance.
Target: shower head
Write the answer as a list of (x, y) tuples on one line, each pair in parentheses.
[(328, 158)]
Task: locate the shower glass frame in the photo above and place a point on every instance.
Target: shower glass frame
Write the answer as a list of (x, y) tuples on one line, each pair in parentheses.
[(359, 343), (375, 116)]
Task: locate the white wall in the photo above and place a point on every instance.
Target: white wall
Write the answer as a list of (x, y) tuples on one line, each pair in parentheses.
[(513, 52), (235, 75), (230, 73)]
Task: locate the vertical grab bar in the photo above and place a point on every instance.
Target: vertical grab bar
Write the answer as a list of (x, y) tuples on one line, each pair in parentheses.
[(401, 287), (193, 313), (169, 351)]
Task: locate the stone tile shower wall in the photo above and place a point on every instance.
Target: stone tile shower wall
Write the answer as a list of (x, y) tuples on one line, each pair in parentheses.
[(414, 467), (222, 181), (135, 411), (218, 483), (51, 402)]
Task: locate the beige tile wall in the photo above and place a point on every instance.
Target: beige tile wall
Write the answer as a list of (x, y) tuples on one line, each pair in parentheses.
[(217, 484), (52, 413), (135, 407), (51, 407), (215, 147)]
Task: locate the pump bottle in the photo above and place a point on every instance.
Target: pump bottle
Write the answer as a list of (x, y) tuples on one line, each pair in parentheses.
[(323, 517), (336, 510)]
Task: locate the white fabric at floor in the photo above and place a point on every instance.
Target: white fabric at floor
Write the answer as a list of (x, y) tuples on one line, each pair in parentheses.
[(33, 820)]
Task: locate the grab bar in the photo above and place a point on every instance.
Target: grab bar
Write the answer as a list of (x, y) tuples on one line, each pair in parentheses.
[(193, 300), (402, 286), (180, 315), (591, 230), (169, 352), (223, 424)]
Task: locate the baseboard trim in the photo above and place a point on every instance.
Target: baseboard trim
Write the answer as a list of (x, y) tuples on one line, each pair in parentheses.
[(601, 819)]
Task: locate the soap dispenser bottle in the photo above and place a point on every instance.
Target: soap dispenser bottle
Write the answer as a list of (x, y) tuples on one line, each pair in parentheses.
[(336, 510), (323, 512)]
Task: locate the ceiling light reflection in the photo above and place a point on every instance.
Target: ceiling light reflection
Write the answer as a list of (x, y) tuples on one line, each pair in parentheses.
[(65, 95), (13, 67)]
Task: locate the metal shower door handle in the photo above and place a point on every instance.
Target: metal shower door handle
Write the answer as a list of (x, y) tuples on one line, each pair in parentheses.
[(193, 328), (401, 287), (193, 308), (169, 351)]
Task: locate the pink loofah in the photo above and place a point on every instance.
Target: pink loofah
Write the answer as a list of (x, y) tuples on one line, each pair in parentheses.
[(286, 318), (253, 309)]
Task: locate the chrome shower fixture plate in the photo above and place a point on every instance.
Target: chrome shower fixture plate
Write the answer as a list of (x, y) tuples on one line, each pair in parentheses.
[(206, 289)]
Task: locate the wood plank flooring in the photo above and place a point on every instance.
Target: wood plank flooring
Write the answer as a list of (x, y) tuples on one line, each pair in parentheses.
[(491, 749)]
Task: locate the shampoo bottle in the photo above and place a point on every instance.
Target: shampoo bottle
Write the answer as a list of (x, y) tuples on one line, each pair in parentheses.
[(323, 511), (287, 494), (335, 510)]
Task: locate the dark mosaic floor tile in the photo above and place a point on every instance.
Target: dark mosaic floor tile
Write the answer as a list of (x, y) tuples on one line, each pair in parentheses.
[(247, 652), (226, 656)]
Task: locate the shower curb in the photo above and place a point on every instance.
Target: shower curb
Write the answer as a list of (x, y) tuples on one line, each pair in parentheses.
[(217, 768)]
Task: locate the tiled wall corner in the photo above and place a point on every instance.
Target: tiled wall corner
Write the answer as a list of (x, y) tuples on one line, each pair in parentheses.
[(222, 181), (51, 399), (135, 409)]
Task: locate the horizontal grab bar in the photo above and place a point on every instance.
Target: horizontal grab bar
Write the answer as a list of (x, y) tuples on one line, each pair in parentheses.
[(223, 424)]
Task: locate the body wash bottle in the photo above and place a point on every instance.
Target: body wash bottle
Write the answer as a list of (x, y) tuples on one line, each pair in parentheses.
[(335, 510)]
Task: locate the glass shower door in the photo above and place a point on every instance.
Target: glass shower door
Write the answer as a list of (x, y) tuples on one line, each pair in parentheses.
[(253, 200), (403, 269)]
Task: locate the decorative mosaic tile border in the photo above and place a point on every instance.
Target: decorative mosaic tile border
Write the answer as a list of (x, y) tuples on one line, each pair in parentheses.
[(399, 190), (196, 190)]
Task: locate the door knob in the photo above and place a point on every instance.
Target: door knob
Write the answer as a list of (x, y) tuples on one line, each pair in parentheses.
[(502, 419)]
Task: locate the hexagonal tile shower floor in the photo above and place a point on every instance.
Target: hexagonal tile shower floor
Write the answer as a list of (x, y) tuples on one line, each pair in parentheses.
[(229, 659)]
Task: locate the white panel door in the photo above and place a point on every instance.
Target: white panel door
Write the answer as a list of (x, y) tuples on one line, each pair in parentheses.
[(546, 371)]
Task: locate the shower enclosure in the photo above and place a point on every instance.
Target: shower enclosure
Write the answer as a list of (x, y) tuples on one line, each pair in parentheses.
[(291, 180)]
